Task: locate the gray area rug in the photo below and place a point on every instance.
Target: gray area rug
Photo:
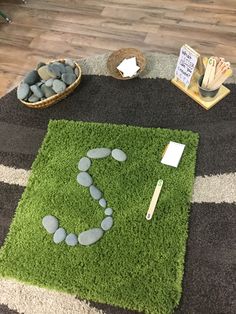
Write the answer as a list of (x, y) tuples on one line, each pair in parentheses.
[(208, 285)]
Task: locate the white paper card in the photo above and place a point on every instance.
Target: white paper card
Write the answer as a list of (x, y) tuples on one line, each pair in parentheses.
[(173, 154), (186, 65), (128, 67)]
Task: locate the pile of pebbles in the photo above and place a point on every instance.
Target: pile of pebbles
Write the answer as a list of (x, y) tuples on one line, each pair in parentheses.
[(47, 80), (91, 236)]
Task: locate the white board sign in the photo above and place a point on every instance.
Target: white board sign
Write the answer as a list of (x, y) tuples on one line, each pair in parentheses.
[(186, 64)]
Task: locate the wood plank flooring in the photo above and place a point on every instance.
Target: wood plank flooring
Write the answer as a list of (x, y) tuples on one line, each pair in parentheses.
[(49, 29)]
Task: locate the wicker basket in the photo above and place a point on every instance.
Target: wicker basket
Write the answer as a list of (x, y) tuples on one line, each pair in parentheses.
[(57, 97), (118, 56)]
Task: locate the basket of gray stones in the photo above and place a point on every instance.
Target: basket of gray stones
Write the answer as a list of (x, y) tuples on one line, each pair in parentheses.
[(49, 83)]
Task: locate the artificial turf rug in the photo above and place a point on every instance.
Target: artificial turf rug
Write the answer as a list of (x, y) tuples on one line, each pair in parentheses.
[(138, 264)]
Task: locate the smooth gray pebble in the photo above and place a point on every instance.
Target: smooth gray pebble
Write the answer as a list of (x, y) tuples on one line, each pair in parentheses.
[(84, 179), (71, 239), (23, 90), (58, 86), (84, 164), (50, 223), (98, 152), (59, 235), (90, 236), (107, 223), (103, 202), (95, 192), (108, 211), (118, 154)]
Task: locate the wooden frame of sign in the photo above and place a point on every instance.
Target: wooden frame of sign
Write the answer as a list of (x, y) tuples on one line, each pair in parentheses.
[(192, 89)]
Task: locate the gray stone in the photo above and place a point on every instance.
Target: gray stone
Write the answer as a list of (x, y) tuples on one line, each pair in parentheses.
[(61, 66), (68, 78), (33, 98), (37, 91), (84, 179), (69, 69), (108, 211), (45, 74), (55, 69), (50, 223), (58, 86), (98, 153), (76, 71), (49, 82), (48, 91), (107, 223), (95, 192), (40, 83), (102, 202), (40, 64), (23, 90), (70, 62), (84, 164), (71, 239), (118, 154), (59, 235), (32, 77), (90, 236)]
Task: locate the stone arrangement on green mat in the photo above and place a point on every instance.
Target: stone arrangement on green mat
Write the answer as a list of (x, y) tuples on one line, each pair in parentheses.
[(89, 236), (138, 264)]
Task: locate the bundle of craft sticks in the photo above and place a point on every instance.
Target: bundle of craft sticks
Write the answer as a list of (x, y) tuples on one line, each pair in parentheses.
[(216, 73)]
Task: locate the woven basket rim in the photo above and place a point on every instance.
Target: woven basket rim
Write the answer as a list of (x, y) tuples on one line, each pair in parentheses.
[(54, 98)]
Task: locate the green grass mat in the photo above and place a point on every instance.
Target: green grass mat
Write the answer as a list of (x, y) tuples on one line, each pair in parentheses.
[(138, 264)]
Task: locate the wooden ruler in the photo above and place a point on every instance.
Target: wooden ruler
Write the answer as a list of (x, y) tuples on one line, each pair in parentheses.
[(154, 199)]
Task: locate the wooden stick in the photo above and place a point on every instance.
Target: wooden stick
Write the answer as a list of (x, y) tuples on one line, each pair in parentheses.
[(220, 76), (210, 72), (217, 83), (154, 199)]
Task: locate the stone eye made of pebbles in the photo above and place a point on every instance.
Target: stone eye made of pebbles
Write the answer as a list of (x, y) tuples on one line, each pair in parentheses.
[(92, 235)]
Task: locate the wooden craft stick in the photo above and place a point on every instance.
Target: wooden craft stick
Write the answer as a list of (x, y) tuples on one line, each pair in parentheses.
[(216, 84), (210, 72), (220, 76), (219, 66), (154, 199)]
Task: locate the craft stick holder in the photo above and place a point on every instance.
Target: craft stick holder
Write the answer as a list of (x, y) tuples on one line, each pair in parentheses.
[(193, 90)]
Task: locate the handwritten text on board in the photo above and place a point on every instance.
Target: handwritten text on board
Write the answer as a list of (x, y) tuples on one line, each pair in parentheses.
[(185, 65)]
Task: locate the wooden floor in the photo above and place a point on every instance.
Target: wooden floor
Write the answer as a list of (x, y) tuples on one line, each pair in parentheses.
[(48, 29)]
